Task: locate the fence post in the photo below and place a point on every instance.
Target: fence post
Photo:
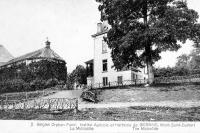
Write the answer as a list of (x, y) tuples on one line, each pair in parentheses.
[(76, 106), (49, 104), (109, 84), (99, 85), (26, 96), (2, 106), (24, 104), (135, 81), (6, 102)]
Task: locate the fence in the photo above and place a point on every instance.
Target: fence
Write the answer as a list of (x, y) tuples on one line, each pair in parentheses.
[(157, 80), (119, 84), (50, 104), (178, 79)]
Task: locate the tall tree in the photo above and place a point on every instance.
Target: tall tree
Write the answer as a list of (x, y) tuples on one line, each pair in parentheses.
[(147, 26), (80, 74)]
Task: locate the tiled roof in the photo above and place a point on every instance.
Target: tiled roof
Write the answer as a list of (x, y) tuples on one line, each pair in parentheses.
[(45, 52)]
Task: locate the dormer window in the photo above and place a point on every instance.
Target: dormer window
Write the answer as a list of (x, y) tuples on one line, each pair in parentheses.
[(104, 47)]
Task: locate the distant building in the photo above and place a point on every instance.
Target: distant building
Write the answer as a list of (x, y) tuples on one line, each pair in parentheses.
[(43, 64), (100, 70)]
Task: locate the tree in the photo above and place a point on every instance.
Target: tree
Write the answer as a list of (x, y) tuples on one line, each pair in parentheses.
[(78, 75), (147, 27), (195, 59), (183, 61)]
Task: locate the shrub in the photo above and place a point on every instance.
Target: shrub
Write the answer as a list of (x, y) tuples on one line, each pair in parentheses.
[(15, 85), (51, 82), (38, 84)]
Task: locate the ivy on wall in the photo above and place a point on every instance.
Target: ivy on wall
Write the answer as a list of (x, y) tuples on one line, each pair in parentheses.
[(39, 69)]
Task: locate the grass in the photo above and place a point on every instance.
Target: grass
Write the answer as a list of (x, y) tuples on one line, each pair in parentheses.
[(150, 94), (108, 114), (22, 95)]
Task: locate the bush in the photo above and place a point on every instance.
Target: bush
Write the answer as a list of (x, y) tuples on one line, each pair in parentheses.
[(51, 82), (38, 84), (15, 85), (170, 72)]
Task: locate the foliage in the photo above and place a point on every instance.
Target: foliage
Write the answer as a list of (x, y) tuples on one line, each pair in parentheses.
[(15, 85), (195, 59), (147, 27), (38, 84), (175, 71), (80, 74), (183, 61), (70, 81), (42, 69), (170, 72), (51, 83), (191, 61)]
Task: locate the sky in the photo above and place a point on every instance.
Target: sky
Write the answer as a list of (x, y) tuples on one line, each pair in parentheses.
[(68, 24)]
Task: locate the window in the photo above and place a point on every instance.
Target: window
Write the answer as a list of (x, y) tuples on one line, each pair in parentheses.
[(134, 76), (119, 79), (105, 81), (104, 47), (105, 65)]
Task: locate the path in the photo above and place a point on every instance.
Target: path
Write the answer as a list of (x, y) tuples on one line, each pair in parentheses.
[(70, 94)]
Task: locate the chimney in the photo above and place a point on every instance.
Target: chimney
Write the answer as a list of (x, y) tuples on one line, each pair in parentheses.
[(99, 27), (47, 44)]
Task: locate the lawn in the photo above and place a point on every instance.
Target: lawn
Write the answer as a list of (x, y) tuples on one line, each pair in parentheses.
[(150, 94), (179, 94)]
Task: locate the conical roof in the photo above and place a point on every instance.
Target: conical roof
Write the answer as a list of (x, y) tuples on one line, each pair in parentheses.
[(5, 56), (45, 52)]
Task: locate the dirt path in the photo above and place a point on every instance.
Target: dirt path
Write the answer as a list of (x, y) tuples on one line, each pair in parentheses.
[(66, 94), (82, 105)]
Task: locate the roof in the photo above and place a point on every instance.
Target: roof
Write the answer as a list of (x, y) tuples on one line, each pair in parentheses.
[(5, 56), (98, 34), (45, 52), (89, 62)]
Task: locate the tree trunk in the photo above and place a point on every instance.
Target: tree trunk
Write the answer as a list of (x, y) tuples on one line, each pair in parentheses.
[(148, 47), (150, 73)]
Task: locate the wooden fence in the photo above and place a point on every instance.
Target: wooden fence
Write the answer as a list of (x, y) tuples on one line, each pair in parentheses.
[(50, 104)]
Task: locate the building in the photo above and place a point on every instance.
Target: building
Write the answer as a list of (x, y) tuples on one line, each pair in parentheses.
[(100, 70), (5, 55), (40, 64)]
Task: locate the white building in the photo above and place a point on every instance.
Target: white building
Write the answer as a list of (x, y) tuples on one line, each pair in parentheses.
[(100, 70)]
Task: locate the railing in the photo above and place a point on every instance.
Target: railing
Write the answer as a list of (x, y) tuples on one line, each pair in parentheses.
[(118, 84), (178, 79), (50, 104), (157, 80)]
